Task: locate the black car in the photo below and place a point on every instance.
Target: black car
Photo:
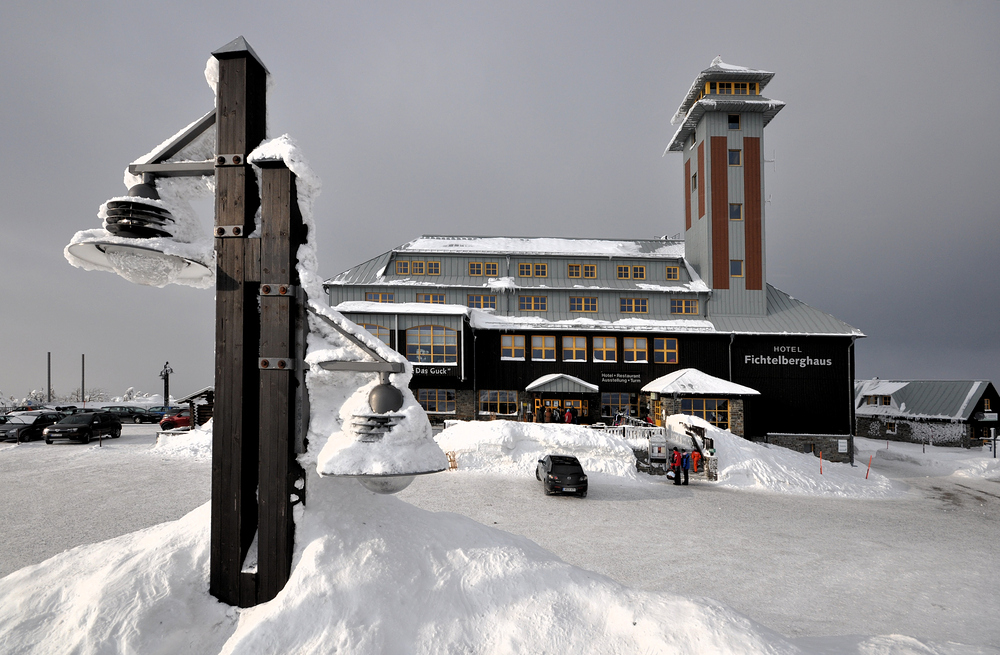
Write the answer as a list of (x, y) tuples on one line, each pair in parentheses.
[(25, 426), (128, 414), (84, 427), (562, 474)]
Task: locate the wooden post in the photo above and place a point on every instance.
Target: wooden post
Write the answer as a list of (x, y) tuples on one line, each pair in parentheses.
[(240, 127), (282, 232)]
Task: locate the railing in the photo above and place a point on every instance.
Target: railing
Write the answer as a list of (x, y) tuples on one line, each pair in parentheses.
[(637, 436)]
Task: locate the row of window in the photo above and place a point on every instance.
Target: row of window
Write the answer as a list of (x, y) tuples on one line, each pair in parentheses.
[(733, 88), (602, 349), (541, 303), (492, 269), (436, 344), (504, 402), (410, 267)]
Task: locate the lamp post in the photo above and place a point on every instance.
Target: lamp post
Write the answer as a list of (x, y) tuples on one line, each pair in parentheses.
[(165, 375), (261, 405)]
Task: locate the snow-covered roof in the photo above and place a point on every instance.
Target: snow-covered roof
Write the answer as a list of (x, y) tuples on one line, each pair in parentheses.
[(694, 105), (921, 399), (486, 321), (719, 70), (544, 246), (693, 381), (560, 382)]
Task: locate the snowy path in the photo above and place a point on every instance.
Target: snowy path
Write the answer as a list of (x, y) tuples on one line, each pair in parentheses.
[(66, 494), (921, 565)]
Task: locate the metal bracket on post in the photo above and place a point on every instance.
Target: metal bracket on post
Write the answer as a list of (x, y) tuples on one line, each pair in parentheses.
[(230, 160), (223, 231), (286, 290), (380, 365), (276, 364)]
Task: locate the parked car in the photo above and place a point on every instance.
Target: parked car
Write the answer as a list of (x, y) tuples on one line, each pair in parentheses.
[(159, 411), (179, 420), (25, 426), (84, 427), (561, 474), (129, 414)]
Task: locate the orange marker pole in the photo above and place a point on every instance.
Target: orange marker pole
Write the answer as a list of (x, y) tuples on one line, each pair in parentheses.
[(869, 466), (821, 462)]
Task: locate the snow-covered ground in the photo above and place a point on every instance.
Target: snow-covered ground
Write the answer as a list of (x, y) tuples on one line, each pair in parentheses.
[(626, 570)]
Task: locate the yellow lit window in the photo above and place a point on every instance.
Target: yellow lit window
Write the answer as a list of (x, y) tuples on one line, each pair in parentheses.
[(432, 298), (380, 333), (605, 349), (664, 351), (633, 305), (524, 270), (403, 268), (614, 404), (373, 296), (511, 346), (590, 271), (480, 301), (679, 306), (673, 273), (432, 344), (532, 303), (624, 271), (491, 269), (434, 268), (541, 270), (638, 272), (498, 401), (416, 268), (437, 401), (986, 404), (543, 348), (574, 349), (634, 349), (713, 410), (582, 304), (475, 268), (573, 270)]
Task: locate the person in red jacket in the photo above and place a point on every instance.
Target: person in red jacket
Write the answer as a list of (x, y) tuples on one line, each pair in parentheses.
[(675, 464)]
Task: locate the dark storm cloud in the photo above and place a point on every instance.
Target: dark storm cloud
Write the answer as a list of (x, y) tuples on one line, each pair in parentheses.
[(517, 119)]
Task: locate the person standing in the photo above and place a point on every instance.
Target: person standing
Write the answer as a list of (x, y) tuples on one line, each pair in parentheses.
[(548, 415), (568, 416), (675, 464), (685, 465)]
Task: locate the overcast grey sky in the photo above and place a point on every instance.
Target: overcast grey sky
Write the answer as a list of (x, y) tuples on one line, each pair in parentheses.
[(515, 118)]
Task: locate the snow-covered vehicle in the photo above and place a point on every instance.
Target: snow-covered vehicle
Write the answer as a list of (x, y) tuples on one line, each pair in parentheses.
[(84, 427)]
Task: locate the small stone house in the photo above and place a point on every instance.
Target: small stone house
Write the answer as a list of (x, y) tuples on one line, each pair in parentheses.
[(935, 412)]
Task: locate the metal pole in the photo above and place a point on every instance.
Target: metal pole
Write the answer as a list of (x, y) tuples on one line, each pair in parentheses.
[(83, 379), (49, 369)]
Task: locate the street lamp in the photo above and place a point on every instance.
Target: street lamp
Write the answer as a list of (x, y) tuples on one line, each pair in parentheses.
[(261, 409), (165, 375)]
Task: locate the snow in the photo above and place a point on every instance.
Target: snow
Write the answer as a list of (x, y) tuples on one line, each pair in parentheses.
[(193, 444), (514, 448), (543, 245), (691, 380), (376, 574), (929, 460), (545, 379)]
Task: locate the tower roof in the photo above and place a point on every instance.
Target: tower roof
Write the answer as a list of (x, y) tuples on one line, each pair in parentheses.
[(695, 104)]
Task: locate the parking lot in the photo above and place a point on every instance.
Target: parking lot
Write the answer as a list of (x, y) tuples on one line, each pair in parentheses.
[(65, 494)]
